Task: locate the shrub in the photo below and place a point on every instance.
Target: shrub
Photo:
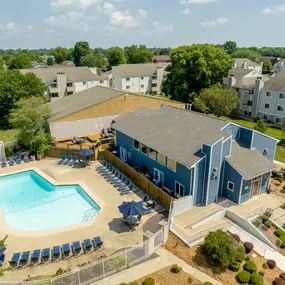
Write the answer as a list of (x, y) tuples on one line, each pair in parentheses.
[(234, 266), (148, 281), (282, 276), (256, 279), (236, 237), (241, 248), (265, 265), (133, 283), (248, 246), (208, 283), (268, 224), (279, 281), (219, 248), (271, 263), (250, 267), (282, 238), (239, 256), (247, 258), (243, 277), (262, 272), (175, 268), (260, 219), (279, 232)]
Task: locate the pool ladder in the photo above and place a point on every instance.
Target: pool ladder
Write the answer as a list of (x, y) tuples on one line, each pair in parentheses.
[(89, 215)]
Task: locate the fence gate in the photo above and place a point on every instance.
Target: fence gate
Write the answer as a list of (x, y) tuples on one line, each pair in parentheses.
[(158, 239)]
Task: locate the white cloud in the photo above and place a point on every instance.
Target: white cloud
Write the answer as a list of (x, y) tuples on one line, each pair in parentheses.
[(186, 12), (158, 29), (108, 8), (99, 9), (218, 21), (185, 2), (142, 13), (13, 28), (279, 9), (82, 4)]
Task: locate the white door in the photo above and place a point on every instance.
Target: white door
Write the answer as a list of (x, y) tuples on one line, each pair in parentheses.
[(158, 177), (123, 154)]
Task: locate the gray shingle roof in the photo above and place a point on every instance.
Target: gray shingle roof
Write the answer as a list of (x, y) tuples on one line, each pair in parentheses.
[(249, 163), (73, 74), (176, 133), (276, 83), (141, 69), (240, 62), (161, 58)]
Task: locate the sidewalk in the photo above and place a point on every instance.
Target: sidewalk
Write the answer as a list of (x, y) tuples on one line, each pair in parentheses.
[(164, 259)]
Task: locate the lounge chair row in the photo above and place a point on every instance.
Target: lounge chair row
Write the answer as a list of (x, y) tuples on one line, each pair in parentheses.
[(116, 178), (147, 204), (68, 160), (55, 253), (15, 160)]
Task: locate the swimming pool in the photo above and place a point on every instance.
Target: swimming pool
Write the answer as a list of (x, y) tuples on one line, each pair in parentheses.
[(31, 203)]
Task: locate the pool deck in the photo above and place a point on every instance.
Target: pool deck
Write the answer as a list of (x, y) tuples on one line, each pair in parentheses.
[(107, 224)]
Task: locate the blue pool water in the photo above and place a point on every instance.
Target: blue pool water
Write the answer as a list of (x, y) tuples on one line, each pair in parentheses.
[(31, 203)]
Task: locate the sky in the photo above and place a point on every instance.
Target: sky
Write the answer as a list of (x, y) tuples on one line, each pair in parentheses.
[(156, 23)]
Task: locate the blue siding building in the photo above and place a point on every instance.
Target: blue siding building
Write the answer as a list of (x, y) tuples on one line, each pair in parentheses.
[(187, 153)]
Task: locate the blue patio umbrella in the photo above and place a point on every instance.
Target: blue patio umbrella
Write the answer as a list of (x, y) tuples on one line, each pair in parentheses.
[(130, 209), (86, 152)]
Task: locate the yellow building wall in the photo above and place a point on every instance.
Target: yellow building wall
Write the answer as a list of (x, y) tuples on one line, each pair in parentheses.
[(120, 104)]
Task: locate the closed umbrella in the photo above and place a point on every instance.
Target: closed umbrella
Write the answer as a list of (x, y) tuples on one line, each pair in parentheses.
[(130, 209)]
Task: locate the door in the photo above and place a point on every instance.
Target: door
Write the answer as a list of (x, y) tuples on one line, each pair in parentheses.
[(123, 154), (158, 177), (255, 186), (179, 189)]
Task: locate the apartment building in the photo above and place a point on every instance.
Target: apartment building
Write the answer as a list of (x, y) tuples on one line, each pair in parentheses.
[(139, 78), (245, 63), (64, 81)]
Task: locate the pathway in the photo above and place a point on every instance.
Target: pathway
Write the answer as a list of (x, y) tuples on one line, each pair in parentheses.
[(164, 258)]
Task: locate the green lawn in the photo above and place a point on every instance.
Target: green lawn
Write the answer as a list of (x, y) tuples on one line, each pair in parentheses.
[(7, 134)]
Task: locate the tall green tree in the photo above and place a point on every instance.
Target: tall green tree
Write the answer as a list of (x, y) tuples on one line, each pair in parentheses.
[(1, 63), (100, 60), (246, 53), (216, 100), (60, 54), (15, 86), (29, 117), (138, 54), (88, 60), (81, 49), (50, 61), (194, 68), (230, 47), (260, 125), (116, 56), (69, 54), (267, 66), (20, 62)]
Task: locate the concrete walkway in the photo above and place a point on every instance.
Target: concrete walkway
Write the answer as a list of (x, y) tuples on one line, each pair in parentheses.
[(164, 258)]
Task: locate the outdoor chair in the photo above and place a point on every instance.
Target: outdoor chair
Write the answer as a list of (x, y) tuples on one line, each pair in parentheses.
[(118, 177), (18, 160), (62, 160), (11, 161), (46, 254), (120, 182), (36, 255), (15, 259), (26, 158), (97, 241), (149, 209), (111, 175), (4, 163), (65, 249), (67, 161), (25, 257), (73, 161), (2, 258), (76, 246), (56, 252), (125, 186), (104, 166), (145, 200), (87, 244)]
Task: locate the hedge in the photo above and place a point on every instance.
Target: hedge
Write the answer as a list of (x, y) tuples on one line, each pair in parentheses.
[(279, 232), (256, 279), (250, 267), (234, 266), (243, 277)]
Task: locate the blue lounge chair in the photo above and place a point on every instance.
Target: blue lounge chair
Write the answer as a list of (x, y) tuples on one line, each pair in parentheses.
[(25, 257), (36, 255), (18, 160), (145, 199), (149, 209), (118, 177), (11, 161), (56, 251), (67, 161), (2, 250), (62, 160), (66, 249), (4, 163), (127, 190), (104, 166), (76, 246), (120, 182), (46, 253), (87, 244), (97, 241), (2, 258), (108, 172), (124, 186), (105, 170), (26, 158), (15, 258), (72, 162), (112, 175)]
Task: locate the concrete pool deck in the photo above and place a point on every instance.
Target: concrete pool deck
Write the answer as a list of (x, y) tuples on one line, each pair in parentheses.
[(106, 224)]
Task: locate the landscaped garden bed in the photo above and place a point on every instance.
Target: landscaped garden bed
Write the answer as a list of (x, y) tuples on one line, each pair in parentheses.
[(197, 257)]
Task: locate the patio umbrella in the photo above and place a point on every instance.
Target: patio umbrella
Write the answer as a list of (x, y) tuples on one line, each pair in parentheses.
[(130, 209), (86, 152)]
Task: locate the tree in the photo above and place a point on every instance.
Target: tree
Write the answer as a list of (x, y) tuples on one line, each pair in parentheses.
[(88, 60), (80, 50), (50, 60), (21, 61), (230, 47), (246, 53), (260, 125), (116, 56), (267, 66), (14, 86), (100, 60), (220, 249), (194, 68), (29, 117), (60, 54), (216, 100), (138, 54), (70, 54), (1, 63)]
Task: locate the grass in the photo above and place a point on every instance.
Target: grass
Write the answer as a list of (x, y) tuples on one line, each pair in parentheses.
[(7, 135)]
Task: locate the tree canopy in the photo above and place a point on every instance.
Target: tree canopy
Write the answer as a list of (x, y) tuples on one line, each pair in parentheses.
[(251, 54), (81, 49), (138, 54), (88, 60), (20, 62), (60, 54), (267, 66), (216, 100), (15, 86), (116, 56), (50, 61), (194, 68), (230, 47)]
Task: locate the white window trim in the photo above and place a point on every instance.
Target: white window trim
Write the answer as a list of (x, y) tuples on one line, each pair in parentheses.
[(280, 119), (268, 105), (175, 164), (279, 95), (270, 94), (138, 149), (179, 187), (279, 106), (158, 159), (229, 187)]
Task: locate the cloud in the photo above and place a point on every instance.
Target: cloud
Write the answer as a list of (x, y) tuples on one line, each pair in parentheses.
[(218, 21), (279, 9), (186, 12), (142, 13), (13, 28), (82, 4), (185, 2), (158, 29)]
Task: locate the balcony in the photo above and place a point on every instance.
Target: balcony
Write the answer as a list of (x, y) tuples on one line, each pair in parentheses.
[(70, 89), (53, 89), (246, 108)]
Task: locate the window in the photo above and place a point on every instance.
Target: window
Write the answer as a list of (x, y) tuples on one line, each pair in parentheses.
[(152, 153), (249, 103), (142, 78), (280, 108), (278, 121), (246, 113), (69, 93), (54, 95), (136, 144), (161, 158), (231, 186), (154, 85), (265, 117), (188, 107), (251, 91), (266, 106), (127, 79), (268, 94), (128, 87), (53, 85), (179, 189), (143, 148), (154, 77), (84, 82), (171, 164), (69, 84), (142, 86), (281, 95), (101, 81)]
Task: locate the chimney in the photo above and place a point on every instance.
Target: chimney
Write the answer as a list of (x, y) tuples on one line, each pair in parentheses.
[(245, 64), (231, 81), (259, 84), (235, 65)]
